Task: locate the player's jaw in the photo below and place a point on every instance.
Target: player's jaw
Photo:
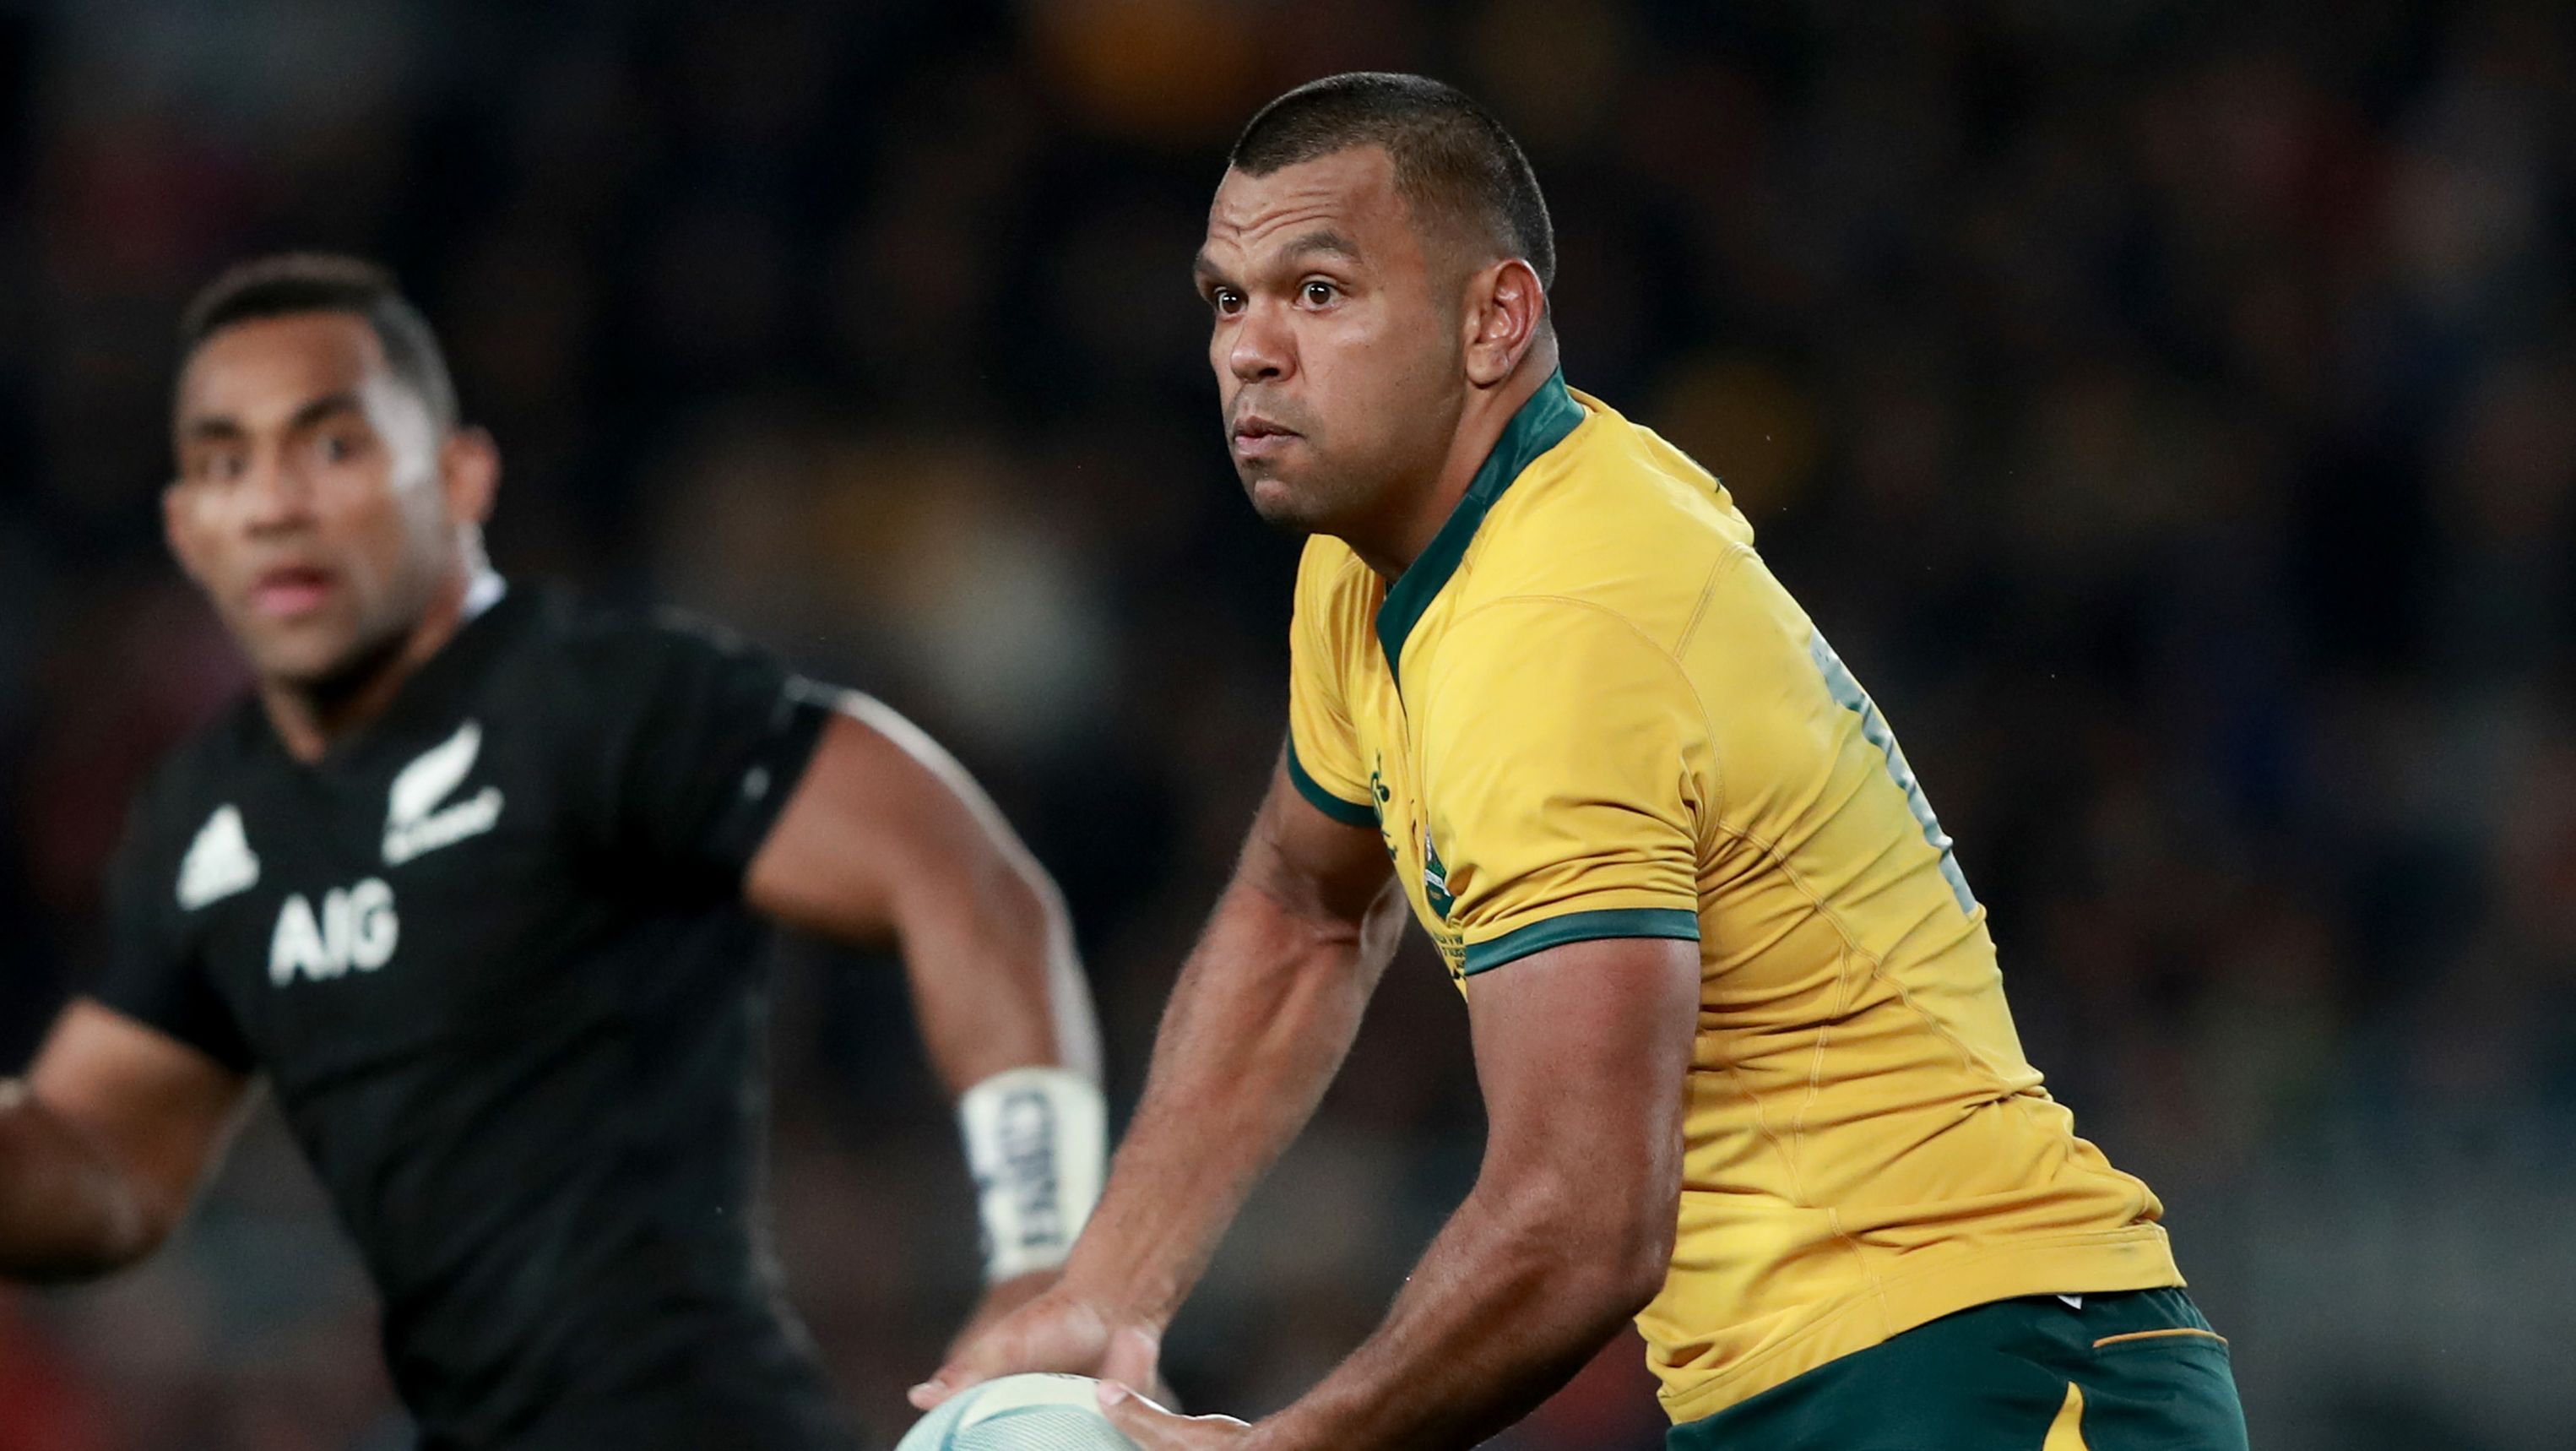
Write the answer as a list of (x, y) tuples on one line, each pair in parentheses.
[(309, 624)]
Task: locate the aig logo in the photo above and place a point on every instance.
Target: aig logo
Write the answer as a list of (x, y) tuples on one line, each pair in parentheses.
[(356, 928)]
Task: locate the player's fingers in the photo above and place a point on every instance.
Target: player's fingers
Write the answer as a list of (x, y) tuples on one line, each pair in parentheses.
[(1018, 1343), (1158, 1428)]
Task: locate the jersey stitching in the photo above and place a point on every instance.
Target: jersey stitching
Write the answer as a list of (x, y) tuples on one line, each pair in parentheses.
[(1717, 768), (1878, 968), (1727, 559), (1816, 1070)]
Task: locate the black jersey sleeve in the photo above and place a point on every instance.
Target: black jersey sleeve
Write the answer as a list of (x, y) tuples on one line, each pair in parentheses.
[(155, 971), (711, 738)]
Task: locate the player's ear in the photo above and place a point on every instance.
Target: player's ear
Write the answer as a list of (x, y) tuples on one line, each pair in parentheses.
[(1506, 307), (470, 466)]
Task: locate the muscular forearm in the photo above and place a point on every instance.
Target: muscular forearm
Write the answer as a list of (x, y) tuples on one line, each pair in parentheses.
[(1259, 1022), (68, 1210), (888, 834), (1520, 1290), (995, 978)]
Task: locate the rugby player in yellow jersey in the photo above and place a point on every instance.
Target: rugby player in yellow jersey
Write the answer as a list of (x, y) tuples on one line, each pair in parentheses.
[(1736, 1015)]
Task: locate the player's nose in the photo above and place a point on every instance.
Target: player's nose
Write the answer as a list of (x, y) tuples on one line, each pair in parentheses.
[(1262, 347), (274, 497)]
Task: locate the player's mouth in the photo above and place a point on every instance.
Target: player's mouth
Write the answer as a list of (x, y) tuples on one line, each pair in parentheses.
[(291, 591), (1258, 437)]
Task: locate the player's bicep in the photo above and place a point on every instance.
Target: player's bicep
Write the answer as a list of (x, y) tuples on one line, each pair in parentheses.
[(1313, 862), (880, 806), (164, 1108), (1582, 1051), (691, 741)]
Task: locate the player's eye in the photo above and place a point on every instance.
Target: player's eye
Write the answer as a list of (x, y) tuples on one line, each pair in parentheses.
[(1225, 300), (336, 448), (220, 467), (1317, 293)]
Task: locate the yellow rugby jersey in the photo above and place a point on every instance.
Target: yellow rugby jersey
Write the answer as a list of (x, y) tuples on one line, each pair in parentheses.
[(1589, 711)]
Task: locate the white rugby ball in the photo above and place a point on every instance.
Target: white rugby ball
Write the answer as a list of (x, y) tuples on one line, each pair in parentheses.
[(1020, 1413)]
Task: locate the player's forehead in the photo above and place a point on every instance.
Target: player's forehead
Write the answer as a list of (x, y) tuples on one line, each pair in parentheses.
[(1349, 195), (262, 371)]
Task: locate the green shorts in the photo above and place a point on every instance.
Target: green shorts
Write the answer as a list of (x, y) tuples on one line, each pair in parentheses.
[(2125, 1372)]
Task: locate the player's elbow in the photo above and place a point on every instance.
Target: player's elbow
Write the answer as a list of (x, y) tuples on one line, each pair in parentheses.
[(1611, 1250), (1637, 1256), (121, 1239), (990, 947), (100, 1219), (1000, 909)]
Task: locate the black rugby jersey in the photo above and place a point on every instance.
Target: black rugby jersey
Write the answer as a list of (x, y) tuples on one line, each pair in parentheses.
[(492, 955)]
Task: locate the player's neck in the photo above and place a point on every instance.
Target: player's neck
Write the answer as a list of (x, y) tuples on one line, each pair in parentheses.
[(309, 717), (1419, 512)]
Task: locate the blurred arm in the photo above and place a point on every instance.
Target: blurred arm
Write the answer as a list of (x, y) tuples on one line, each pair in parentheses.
[(886, 832), (103, 1143), (1582, 1051), (1263, 1014)]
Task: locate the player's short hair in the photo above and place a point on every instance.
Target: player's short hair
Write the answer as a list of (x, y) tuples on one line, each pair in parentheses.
[(290, 283), (1454, 162)]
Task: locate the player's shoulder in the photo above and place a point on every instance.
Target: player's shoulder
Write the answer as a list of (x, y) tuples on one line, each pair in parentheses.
[(607, 645), (1613, 521), (207, 766)]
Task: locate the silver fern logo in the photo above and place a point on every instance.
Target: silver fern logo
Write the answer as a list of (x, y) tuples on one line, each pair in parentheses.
[(415, 822)]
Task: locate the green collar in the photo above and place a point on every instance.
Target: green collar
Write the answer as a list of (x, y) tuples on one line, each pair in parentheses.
[(1543, 422)]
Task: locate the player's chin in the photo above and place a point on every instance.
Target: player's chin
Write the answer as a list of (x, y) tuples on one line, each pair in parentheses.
[(1280, 502), (312, 655)]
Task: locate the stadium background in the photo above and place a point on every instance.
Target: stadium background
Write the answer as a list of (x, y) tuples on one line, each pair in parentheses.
[(2169, 409)]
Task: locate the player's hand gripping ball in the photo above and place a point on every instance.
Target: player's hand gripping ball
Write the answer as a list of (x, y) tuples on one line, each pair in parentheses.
[(1020, 1413)]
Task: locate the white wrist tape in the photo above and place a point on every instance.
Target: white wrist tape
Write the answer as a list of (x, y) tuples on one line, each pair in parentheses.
[(1037, 1143)]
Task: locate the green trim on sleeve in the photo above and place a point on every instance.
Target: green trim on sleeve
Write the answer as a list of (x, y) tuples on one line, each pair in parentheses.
[(1666, 922), (1348, 813)]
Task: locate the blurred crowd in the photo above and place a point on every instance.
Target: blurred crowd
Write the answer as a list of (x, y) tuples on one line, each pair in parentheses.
[(2168, 409)]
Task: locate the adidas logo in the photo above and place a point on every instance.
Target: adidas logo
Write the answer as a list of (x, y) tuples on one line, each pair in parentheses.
[(219, 862)]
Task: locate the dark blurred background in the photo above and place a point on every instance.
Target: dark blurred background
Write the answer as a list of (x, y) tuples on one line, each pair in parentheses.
[(2170, 409)]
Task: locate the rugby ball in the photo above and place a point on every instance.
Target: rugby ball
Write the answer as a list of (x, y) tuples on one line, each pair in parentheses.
[(1020, 1413)]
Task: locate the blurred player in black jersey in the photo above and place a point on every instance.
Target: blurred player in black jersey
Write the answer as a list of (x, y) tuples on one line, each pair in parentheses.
[(473, 879)]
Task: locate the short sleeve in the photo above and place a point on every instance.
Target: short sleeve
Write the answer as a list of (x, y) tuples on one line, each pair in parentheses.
[(1566, 770), (710, 738), (155, 970), (1331, 620)]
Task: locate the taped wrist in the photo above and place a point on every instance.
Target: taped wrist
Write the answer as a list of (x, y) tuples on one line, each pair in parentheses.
[(1037, 1144)]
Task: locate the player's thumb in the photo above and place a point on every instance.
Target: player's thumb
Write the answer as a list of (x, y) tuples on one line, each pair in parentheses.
[(969, 1367), (1133, 1359), (1134, 1413)]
